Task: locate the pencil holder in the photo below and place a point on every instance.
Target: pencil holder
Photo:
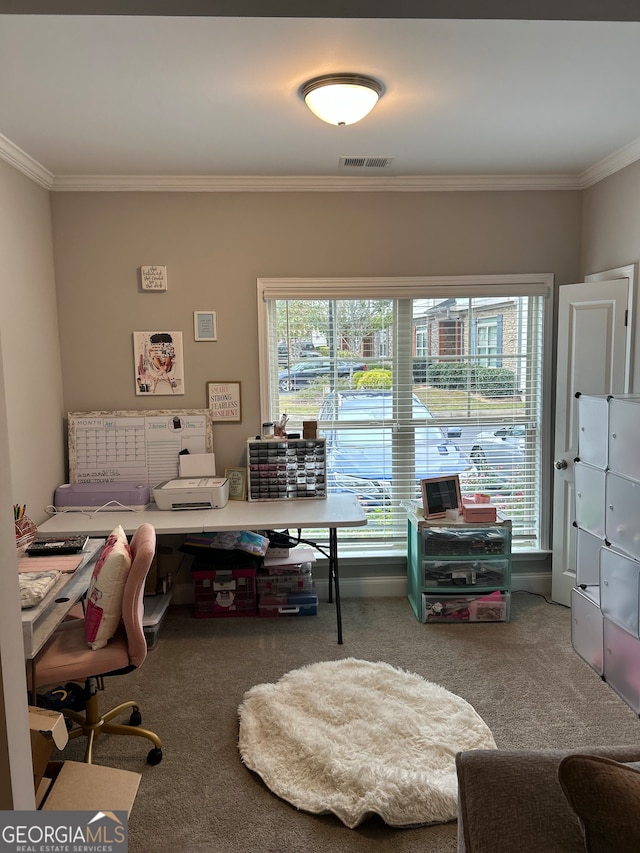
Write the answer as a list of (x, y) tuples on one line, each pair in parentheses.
[(25, 533)]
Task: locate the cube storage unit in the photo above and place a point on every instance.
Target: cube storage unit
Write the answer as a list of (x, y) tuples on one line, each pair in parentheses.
[(589, 494), (624, 418), (221, 593), (459, 571), (593, 426), (605, 626), (622, 529), (588, 558), (620, 590), (622, 663), (587, 627), (283, 469)]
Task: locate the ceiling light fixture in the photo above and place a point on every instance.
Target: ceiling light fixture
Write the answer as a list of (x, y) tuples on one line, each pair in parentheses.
[(341, 98)]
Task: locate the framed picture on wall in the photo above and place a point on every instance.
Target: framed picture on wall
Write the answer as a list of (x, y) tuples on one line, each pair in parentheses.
[(158, 363), (205, 326), (223, 399), (440, 496)]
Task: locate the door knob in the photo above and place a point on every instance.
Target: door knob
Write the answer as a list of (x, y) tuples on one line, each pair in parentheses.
[(561, 464)]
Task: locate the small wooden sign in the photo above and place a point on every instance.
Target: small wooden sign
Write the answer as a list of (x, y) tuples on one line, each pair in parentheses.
[(237, 483), (153, 278)]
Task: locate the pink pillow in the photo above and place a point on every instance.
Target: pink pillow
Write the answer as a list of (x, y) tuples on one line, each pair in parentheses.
[(104, 597)]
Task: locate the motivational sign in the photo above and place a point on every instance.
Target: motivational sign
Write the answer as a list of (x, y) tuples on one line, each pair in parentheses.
[(224, 401), (153, 278)]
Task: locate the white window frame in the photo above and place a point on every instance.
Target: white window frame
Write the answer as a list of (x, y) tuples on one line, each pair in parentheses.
[(485, 350), (422, 342), (429, 287)]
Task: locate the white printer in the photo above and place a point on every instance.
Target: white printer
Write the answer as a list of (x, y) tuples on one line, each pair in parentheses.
[(192, 493)]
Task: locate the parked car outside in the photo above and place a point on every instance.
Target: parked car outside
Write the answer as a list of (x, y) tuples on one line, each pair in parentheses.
[(500, 451), (305, 349), (303, 373), (360, 460)]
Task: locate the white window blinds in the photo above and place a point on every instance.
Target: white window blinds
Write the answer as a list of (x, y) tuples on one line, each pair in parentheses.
[(414, 378)]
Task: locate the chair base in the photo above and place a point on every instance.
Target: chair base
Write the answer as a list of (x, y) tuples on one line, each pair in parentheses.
[(92, 723)]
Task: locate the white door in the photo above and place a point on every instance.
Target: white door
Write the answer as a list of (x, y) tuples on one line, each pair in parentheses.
[(592, 358)]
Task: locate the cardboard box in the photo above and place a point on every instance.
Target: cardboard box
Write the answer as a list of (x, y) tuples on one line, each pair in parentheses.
[(46, 729), (72, 785), (90, 787)]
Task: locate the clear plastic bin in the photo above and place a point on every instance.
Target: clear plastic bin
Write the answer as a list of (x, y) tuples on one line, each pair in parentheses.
[(620, 590), (586, 627), (622, 513), (622, 663), (492, 607)]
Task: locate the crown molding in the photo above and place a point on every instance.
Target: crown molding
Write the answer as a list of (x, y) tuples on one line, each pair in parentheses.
[(611, 164), (16, 157), (21, 161), (299, 183)]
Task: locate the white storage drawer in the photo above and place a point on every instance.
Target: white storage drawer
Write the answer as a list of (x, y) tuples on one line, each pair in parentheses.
[(622, 663), (588, 558), (624, 418), (593, 431), (622, 523), (589, 489), (620, 590), (586, 628)]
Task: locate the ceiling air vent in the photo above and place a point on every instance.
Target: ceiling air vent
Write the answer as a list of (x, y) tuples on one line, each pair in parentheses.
[(365, 162)]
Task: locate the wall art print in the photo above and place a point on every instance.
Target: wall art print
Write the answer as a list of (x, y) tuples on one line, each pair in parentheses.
[(158, 363)]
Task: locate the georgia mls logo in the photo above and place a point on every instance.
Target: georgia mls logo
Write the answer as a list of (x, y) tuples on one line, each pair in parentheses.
[(64, 832), (117, 830)]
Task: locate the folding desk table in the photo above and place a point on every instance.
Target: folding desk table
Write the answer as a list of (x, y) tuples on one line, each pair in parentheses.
[(341, 510)]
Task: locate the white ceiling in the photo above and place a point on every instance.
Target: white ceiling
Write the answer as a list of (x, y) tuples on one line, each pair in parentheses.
[(216, 98)]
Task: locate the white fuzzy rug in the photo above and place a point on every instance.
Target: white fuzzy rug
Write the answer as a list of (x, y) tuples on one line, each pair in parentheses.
[(358, 738)]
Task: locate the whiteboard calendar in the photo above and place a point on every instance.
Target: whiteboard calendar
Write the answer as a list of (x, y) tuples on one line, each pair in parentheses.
[(134, 447)]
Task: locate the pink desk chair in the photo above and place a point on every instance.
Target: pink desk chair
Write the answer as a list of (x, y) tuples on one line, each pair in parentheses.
[(68, 657)]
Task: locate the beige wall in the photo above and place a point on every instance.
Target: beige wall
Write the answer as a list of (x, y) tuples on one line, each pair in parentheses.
[(31, 438), (30, 341), (611, 222), (611, 235), (215, 246)]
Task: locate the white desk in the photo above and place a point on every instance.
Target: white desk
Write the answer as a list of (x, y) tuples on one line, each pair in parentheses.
[(335, 511)]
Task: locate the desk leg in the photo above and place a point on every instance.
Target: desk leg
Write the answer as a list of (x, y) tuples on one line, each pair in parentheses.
[(334, 579), (34, 689)]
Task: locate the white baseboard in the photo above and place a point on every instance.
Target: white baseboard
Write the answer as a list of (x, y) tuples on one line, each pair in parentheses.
[(392, 586)]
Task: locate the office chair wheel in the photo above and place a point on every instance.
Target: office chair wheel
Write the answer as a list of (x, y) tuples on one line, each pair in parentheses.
[(155, 756), (136, 717)]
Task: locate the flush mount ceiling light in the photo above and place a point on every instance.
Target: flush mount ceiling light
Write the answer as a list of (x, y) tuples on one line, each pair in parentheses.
[(341, 98)]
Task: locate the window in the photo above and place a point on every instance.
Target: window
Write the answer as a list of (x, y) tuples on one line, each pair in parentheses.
[(422, 341), (488, 341), (416, 378)]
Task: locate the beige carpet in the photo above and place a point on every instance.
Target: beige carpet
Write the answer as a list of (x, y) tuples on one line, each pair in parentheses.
[(522, 677)]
